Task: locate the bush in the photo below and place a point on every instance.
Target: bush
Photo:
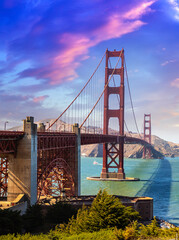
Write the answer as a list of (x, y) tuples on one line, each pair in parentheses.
[(10, 221), (33, 218), (131, 232), (106, 211), (151, 229), (60, 213)]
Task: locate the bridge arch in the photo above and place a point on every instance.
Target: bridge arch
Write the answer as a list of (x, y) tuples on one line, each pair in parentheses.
[(56, 180)]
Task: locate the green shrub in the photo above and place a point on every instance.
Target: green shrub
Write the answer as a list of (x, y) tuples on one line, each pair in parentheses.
[(106, 211), (171, 232), (60, 213), (131, 232), (33, 218), (10, 221), (151, 229), (118, 234)]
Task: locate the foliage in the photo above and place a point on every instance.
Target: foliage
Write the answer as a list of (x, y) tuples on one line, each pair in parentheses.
[(151, 229), (106, 211), (60, 213), (131, 232), (118, 234), (10, 221), (55, 235), (171, 233), (78, 224), (33, 218)]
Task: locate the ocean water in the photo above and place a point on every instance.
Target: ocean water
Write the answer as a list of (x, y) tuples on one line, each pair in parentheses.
[(159, 179)]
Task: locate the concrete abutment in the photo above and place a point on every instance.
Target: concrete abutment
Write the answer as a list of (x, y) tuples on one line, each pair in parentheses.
[(22, 176)]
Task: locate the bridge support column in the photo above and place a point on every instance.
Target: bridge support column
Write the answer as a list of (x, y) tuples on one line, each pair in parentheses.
[(77, 174), (113, 153), (22, 177), (147, 136)]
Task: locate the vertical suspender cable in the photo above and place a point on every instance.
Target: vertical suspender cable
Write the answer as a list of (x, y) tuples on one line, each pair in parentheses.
[(131, 99)]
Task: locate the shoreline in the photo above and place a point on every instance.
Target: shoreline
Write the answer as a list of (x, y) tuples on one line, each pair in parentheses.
[(165, 224)]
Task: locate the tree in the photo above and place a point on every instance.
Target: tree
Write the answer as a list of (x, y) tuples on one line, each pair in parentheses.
[(33, 218), (10, 221), (106, 211), (60, 213)]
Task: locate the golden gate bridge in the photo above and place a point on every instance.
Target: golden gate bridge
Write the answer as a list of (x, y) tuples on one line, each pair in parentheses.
[(46, 161)]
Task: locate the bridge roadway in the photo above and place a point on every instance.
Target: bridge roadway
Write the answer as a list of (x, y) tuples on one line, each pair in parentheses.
[(52, 140)]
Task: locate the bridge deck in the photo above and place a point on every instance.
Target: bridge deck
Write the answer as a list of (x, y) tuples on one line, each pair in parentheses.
[(53, 140)]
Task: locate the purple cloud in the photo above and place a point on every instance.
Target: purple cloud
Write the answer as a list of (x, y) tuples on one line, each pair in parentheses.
[(59, 40)]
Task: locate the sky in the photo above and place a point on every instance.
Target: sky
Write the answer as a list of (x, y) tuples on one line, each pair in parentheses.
[(49, 48)]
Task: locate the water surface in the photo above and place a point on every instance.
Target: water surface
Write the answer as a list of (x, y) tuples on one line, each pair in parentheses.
[(159, 179)]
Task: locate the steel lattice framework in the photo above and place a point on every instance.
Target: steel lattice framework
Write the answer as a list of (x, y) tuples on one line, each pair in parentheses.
[(56, 152), (56, 179), (8, 145), (147, 135), (113, 156)]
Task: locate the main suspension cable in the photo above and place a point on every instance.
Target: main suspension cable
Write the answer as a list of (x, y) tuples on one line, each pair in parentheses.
[(119, 100), (78, 93), (131, 99), (103, 91)]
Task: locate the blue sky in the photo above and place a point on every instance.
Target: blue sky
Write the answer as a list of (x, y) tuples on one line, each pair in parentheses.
[(49, 48)]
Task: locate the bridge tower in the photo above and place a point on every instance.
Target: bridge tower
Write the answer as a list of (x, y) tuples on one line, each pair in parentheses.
[(113, 154), (147, 135)]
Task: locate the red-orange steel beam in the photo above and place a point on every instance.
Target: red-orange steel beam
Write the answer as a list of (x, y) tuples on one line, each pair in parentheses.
[(147, 135)]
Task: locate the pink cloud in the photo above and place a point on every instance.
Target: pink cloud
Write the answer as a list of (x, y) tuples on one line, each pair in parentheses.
[(167, 62), (65, 63), (139, 10), (39, 99), (175, 114), (76, 46), (116, 28), (175, 83)]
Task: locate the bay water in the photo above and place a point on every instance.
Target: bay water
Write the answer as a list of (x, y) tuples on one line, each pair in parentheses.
[(159, 179)]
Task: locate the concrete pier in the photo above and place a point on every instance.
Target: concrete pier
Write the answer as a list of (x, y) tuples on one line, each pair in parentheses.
[(22, 176), (76, 130)]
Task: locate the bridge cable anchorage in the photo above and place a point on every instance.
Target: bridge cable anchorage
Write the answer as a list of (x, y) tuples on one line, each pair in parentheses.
[(102, 91), (119, 101), (131, 99), (78, 93)]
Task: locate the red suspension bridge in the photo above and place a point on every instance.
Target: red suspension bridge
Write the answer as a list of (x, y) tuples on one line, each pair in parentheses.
[(46, 161)]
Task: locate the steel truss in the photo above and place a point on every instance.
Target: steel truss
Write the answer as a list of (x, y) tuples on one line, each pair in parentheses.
[(56, 180), (3, 176)]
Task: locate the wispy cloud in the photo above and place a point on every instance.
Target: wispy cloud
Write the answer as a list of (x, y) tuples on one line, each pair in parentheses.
[(39, 99), (167, 62), (175, 83), (139, 10), (175, 6)]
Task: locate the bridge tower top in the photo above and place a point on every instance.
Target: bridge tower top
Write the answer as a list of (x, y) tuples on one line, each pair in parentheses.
[(147, 128), (110, 113), (147, 135)]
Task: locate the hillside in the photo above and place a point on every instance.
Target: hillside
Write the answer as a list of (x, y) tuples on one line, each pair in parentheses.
[(161, 148)]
